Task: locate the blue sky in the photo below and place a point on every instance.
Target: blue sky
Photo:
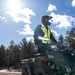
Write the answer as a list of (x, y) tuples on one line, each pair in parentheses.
[(18, 18)]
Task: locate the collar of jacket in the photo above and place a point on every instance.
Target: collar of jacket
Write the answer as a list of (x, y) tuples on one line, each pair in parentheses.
[(43, 25)]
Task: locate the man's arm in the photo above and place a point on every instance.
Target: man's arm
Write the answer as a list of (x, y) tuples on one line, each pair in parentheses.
[(52, 38), (38, 32)]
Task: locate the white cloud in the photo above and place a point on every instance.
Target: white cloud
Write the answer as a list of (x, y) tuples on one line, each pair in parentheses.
[(51, 7), (21, 16), (30, 39), (26, 30), (73, 3), (3, 18), (62, 21), (54, 33)]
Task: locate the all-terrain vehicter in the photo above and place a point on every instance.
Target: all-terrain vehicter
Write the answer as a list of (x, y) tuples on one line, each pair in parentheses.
[(55, 63)]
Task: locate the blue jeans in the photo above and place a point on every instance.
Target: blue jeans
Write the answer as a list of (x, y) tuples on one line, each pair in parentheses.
[(44, 48)]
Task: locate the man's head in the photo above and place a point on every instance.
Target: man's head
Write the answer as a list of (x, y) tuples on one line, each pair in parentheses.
[(45, 20)]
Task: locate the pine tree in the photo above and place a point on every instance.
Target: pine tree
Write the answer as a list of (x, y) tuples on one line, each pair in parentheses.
[(70, 38)]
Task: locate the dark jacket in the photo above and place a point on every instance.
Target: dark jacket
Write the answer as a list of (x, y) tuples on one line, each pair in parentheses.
[(38, 32)]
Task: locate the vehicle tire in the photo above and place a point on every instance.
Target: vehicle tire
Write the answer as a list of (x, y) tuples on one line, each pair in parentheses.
[(40, 71), (26, 69), (52, 69)]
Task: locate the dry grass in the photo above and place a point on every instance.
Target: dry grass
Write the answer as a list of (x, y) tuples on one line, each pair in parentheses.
[(10, 73)]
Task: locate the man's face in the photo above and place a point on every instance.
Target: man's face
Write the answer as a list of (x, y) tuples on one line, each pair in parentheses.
[(47, 21)]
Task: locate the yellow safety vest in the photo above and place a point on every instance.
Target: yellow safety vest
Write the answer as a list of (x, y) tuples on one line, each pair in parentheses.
[(46, 35)]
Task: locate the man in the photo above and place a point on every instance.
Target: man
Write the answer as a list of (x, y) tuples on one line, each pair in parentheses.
[(42, 35)]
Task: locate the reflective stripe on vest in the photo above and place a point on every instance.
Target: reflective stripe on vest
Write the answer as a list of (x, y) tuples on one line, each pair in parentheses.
[(46, 35)]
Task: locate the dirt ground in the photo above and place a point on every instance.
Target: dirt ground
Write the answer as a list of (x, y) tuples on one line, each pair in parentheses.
[(10, 73)]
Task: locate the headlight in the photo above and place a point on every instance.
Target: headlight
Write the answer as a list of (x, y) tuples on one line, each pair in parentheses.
[(50, 56), (72, 54), (68, 69)]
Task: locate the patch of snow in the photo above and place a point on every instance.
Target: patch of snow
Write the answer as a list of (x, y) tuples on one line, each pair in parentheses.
[(11, 70), (4, 70)]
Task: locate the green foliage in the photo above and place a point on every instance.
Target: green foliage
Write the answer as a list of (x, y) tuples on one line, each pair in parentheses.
[(13, 55), (61, 43), (67, 42), (2, 55), (70, 38)]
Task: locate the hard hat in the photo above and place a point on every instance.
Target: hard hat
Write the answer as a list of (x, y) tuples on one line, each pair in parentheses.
[(45, 20), (46, 16)]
